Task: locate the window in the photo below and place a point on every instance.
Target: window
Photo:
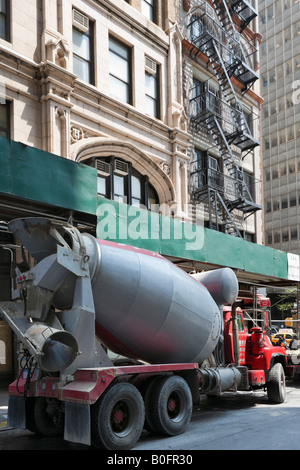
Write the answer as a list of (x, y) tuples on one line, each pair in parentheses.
[(270, 12), (293, 200), (291, 133), (149, 9), (120, 71), (289, 67), (285, 235), (264, 81), (268, 206), (269, 238), (119, 188), (282, 138), (83, 65), (274, 140), (291, 166), (287, 34), (152, 88), (249, 181), (284, 203), (277, 237), (117, 180), (4, 20), (294, 233), (280, 104), (278, 8), (274, 172), (282, 168), (276, 205), (4, 119)]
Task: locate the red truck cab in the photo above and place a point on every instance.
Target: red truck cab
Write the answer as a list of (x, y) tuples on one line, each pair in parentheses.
[(255, 350)]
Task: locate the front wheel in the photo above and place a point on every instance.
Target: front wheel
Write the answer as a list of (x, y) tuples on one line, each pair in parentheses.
[(118, 418), (276, 387)]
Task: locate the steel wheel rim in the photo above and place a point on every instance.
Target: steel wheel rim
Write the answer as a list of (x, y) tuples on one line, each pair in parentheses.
[(121, 418)]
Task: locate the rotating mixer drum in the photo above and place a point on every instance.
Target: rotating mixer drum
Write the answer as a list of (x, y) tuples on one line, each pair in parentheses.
[(148, 308)]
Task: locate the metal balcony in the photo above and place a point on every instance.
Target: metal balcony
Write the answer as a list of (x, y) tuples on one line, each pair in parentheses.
[(237, 193), (231, 119), (238, 54), (244, 10)]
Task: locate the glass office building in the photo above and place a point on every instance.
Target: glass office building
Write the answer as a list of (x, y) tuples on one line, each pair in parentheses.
[(279, 24)]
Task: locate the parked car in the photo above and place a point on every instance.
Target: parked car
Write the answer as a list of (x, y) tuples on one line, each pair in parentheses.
[(279, 338)]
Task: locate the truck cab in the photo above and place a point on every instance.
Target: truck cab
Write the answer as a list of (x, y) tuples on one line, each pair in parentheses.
[(254, 349)]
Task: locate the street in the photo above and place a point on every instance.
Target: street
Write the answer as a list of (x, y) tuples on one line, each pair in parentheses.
[(241, 422)]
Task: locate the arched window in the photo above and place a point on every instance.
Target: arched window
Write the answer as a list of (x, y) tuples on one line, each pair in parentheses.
[(119, 181)]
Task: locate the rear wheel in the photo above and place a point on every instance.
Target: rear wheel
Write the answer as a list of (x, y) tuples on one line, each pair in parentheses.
[(44, 416), (168, 405), (276, 388), (118, 418)]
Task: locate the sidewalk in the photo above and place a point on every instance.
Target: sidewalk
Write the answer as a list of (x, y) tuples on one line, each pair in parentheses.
[(3, 407)]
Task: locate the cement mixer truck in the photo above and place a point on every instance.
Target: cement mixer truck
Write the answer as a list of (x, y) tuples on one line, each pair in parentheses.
[(113, 339)]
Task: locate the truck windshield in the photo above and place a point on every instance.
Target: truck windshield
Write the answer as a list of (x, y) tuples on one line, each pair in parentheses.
[(240, 323)]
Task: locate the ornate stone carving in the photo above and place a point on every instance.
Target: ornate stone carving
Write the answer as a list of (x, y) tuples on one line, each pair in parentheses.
[(186, 5), (76, 134), (166, 168)]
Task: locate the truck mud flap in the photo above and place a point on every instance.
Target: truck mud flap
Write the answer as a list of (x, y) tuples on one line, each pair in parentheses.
[(77, 423), (16, 412)]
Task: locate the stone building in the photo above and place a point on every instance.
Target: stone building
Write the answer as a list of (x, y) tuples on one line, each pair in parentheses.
[(112, 84)]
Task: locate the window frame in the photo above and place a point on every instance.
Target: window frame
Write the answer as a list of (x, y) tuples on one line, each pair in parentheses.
[(154, 99), (90, 62), (128, 60), (6, 15), (6, 129), (152, 8), (146, 186)]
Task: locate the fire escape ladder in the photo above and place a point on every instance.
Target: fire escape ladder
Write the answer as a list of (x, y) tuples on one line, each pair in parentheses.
[(241, 197), (215, 130), (223, 77), (222, 213), (224, 16), (243, 71)]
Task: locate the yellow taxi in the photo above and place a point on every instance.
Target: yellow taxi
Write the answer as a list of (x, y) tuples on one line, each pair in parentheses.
[(287, 337)]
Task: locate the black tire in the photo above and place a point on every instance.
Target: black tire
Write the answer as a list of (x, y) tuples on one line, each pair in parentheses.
[(118, 418), (276, 387), (168, 405), (44, 416), (145, 390)]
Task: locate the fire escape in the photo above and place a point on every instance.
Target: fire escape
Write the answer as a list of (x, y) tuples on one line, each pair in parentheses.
[(214, 34)]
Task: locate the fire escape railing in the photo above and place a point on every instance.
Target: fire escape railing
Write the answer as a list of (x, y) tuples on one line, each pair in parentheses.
[(213, 33), (232, 119), (244, 11), (226, 194)]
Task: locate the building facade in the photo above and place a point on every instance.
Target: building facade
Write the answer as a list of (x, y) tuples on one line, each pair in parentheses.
[(280, 83), (120, 86)]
